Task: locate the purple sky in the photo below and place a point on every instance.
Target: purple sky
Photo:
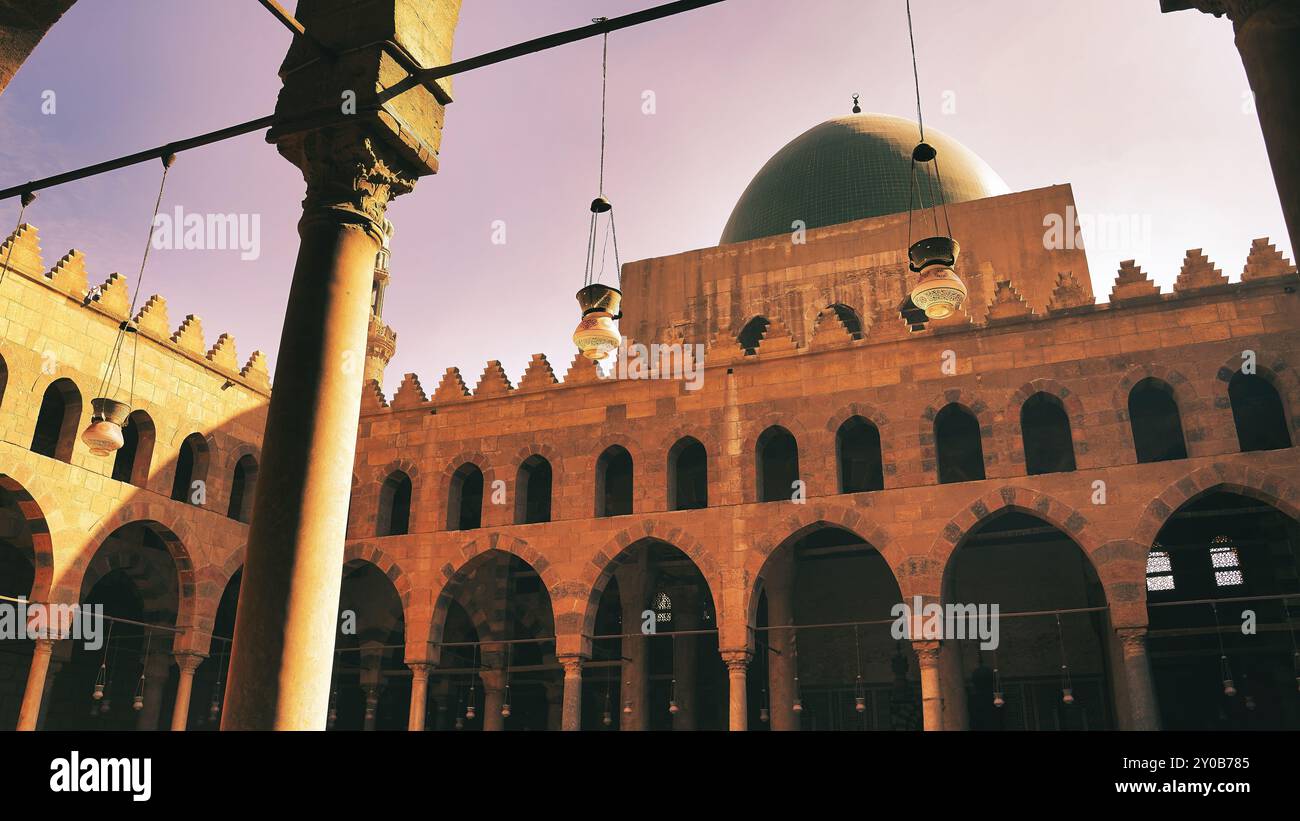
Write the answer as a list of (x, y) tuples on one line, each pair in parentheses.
[(1146, 114)]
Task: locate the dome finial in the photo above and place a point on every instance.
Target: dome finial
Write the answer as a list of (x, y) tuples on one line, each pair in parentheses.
[(857, 109)]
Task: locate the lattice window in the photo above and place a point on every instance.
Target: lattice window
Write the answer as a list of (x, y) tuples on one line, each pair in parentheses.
[(1160, 569), (663, 608), (1226, 561)]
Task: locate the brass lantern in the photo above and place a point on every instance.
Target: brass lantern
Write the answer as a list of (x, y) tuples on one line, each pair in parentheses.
[(104, 434), (596, 334), (938, 290)]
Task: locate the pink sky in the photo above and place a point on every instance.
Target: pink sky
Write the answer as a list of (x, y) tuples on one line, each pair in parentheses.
[(1145, 114)]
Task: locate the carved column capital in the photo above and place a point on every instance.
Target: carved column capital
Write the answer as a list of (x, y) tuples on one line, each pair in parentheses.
[(420, 670), (349, 174), (572, 664), (1132, 639), (736, 660), (1238, 11), (188, 662), (927, 652)]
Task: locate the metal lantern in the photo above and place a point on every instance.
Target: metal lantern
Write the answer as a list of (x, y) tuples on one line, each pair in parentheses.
[(938, 290), (1067, 695), (998, 700), (1229, 689), (104, 434), (138, 703), (596, 335)]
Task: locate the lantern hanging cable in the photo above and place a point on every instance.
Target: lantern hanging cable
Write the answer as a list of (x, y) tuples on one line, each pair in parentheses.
[(602, 205), (923, 152), (138, 703), (859, 694), (1225, 669), (115, 354), (101, 678), (1067, 689)]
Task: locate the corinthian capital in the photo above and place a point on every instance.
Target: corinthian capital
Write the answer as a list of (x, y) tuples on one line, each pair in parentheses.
[(348, 170)]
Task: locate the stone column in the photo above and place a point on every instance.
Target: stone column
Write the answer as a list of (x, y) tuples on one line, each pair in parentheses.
[(1144, 714), (778, 584), (353, 165), (737, 662), (56, 664), (555, 705), (187, 663), (156, 669), (953, 686), (572, 716), (35, 691), (1268, 39), (419, 696), (927, 655), (493, 698), (636, 670)]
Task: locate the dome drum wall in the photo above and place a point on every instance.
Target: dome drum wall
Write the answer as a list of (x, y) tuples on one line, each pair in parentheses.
[(861, 264)]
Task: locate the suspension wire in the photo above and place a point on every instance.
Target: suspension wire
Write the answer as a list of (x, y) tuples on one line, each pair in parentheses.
[(115, 354), (604, 90), (594, 274), (1065, 667), (26, 200), (916, 76)]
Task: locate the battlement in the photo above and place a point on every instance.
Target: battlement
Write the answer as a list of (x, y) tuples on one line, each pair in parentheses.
[(111, 300), (865, 327)]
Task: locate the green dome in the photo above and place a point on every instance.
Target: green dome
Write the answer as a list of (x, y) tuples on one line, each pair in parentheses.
[(852, 168)]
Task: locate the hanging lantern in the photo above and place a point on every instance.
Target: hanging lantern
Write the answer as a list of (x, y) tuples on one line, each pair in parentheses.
[(214, 711), (505, 710), (104, 434), (137, 703), (460, 723), (1229, 689), (797, 706), (332, 718), (596, 335), (763, 715), (105, 706), (998, 700), (860, 704), (607, 719), (99, 692), (1067, 695), (938, 290), (1250, 702), (673, 709)]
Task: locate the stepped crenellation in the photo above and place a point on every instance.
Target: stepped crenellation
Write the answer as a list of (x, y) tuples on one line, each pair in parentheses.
[(1007, 305), (112, 298)]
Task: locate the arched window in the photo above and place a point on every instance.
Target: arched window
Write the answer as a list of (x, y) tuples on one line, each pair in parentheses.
[(56, 422), (242, 485), (849, 318), (533, 491), (614, 482), (1258, 413), (1157, 425), (857, 448), (1045, 429), (957, 445), (394, 518), (777, 457), (688, 475), (465, 500), (132, 461), (752, 334), (191, 470)]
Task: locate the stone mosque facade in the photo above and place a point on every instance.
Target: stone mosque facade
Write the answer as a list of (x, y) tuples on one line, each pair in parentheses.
[(1119, 477)]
